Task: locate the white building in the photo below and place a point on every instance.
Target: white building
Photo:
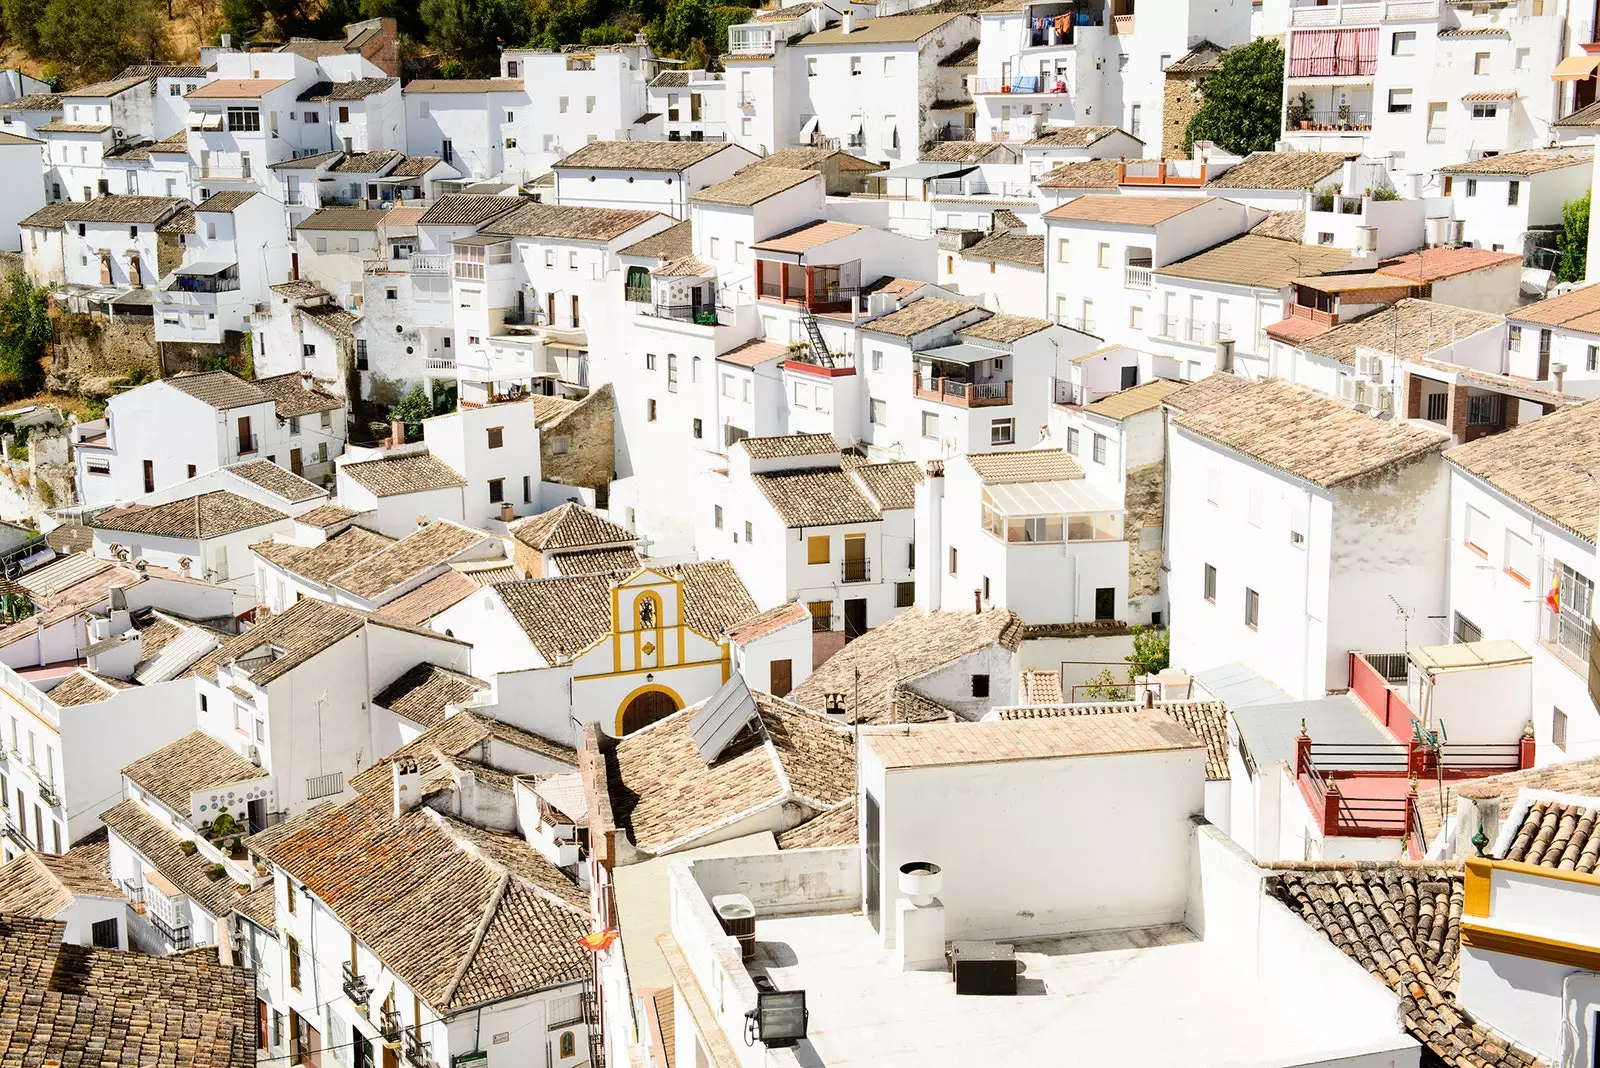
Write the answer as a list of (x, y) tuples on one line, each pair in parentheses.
[(238, 247), (104, 247), (1558, 341), (575, 96), (471, 124), (1522, 565), (694, 104), (1502, 199), (400, 486), (21, 168), (656, 175), (71, 888), (1279, 553), (207, 536), (164, 433)]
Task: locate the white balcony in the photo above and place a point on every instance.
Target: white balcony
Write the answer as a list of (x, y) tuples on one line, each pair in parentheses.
[(752, 40), (1136, 277), (1361, 12)]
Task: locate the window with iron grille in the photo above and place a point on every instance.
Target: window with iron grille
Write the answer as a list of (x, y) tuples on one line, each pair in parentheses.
[(103, 933), (1574, 597)]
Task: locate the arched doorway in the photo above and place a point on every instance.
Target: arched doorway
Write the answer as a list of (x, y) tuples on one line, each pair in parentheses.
[(644, 709)]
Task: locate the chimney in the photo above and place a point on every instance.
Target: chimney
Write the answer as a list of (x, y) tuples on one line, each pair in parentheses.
[(407, 785), (1350, 179), (848, 23), (307, 382), (397, 432), (928, 543), (977, 600), (226, 40), (1558, 371), (506, 512), (1224, 353)]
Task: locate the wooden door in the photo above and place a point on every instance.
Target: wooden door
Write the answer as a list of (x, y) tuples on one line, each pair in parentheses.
[(646, 709), (245, 443), (855, 558), (391, 1059), (294, 461), (261, 1025), (782, 677), (149, 476), (550, 305), (574, 311), (855, 617)]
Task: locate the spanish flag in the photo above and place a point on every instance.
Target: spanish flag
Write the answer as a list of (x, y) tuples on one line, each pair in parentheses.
[(1552, 600), (598, 941)]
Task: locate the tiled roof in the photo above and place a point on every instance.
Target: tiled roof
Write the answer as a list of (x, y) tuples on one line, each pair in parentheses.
[(1280, 170), (772, 620), (82, 1007), (365, 162), (783, 14), (260, 907), (359, 89), (1307, 434), (237, 88), (812, 498), (754, 353), (465, 85), (220, 389), (466, 738), (51, 215), (1207, 720), (304, 163), (807, 236), (1039, 687), (208, 515), (564, 616), (835, 827), (343, 219), (1070, 136), (784, 446), (665, 795), (407, 473), (1009, 246), (1002, 741), (1570, 777), (1523, 164), (1489, 95), (163, 848), (813, 159), (275, 480), (1125, 211), (84, 687), (326, 515), (1082, 174), (569, 526), (1588, 115), (414, 554), (567, 222), (1025, 465), (327, 558), (752, 185), (225, 200), (332, 318), (642, 155), (1409, 327), (414, 166), (125, 209), (461, 915), (34, 102), (672, 243), (891, 485), (42, 885), (897, 29), (1401, 922), (466, 209), (596, 561), (1283, 225), (196, 761), (163, 70), (70, 538), (1003, 328), (422, 693), (1141, 398), (685, 267), (1258, 261), (906, 646), (1559, 835), (429, 599), (670, 79), (918, 316), (179, 222), (958, 151), (1577, 310), (1434, 264), (1534, 464), (1203, 58), (294, 636), (120, 84)]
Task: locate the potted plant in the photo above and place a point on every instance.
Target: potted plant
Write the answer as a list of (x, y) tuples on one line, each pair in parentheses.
[(187, 847), (1300, 110), (216, 871)]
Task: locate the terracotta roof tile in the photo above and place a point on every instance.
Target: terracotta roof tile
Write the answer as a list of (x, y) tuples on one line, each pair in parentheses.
[(1524, 164), (42, 885), (672, 243), (1082, 174), (1283, 225), (754, 353), (1410, 327), (1070, 136), (919, 316), (1258, 261), (896, 29), (1024, 465), (208, 515), (1005, 329), (281, 483), (196, 761), (763, 623), (642, 155), (422, 693), (808, 236), (1002, 741), (408, 473), (569, 526), (1577, 310), (411, 556), (1009, 246), (1533, 464), (1206, 720), (84, 687), (294, 636), (163, 848), (810, 498), (890, 485), (1280, 170), (322, 561), (220, 389), (752, 185), (785, 446), (568, 222), (596, 561), (835, 827), (1434, 264), (420, 605), (1125, 211)]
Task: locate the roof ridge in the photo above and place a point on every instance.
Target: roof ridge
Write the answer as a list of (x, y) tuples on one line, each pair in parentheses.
[(490, 911)]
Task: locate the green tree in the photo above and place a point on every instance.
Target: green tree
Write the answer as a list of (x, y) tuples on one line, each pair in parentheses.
[(1150, 650), (1573, 241), (1104, 687), (1239, 103), (415, 406), (24, 334), (474, 31), (22, 22), (97, 40)]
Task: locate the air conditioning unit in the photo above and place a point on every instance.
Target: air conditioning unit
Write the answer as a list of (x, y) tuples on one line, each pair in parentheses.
[(1347, 389), (250, 752), (1363, 392), (1386, 400)]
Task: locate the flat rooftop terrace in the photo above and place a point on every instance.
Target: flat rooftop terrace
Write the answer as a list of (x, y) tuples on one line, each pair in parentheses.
[(1149, 996)]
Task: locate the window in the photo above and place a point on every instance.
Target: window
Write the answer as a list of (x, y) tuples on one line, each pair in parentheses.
[(878, 412), (980, 685), (727, 386), (699, 429), (497, 490), (1399, 101), (1403, 43), (1134, 117), (1211, 584), (1558, 737), (496, 437), (244, 119), (1061, 250), (1214, 487), (1514, 338), (1072, 440), (104, 934), (930, 425), (649, 361), (294, 951), (1099, 448), (1574, 593), (1105, 602), (817, 549), (447, 151), (1487, 409), (1593, 361), (1480, 63), (749, 532), (294, 425), (1513, 193), (1476, 535), (905, 594), (1252, 608), (716, 516), (811, 66), (650, 410), (738, 252), (952, 559), (855, 66), (672, 373), (361, 354), (1519, 558), (1522, 59), (1103, 256), (1438, 406), (1472, 191), (1485, 111), (877, 359), (1002, 431), (821, 616), (1136, 318), (588, 105)]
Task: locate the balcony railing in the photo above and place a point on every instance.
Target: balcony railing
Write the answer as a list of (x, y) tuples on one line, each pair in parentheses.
[(1334, 120), (751, 39), (418, 1052), (638, 294), (249, 445), (1019, 83), (963, 394), (49, 794), (324, 785), (389, 1026), (1136, 277), (978, 187), (1193, 331), (225, 171), (356, 987), (12, 831), (703, 314), (432, 264), (177, 935), (855, 570), (1361, 12), (441, 363)]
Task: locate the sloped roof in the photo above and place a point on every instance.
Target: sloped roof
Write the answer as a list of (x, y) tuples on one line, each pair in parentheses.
[(1258, 261), (1070, 136), (895, 29), (423, 692), (1141, 398), (467, 209), (1525, 164), (207, 515), (220, 389), (196, 761), (1009, 246), (1535, 465), (277, 481), (1024, 465), (1082, 174), (670, 244), (1433, 264), (908, 645), (406, 473), (569, 526), (1207, 720), (1407, 328), (43, 885), (891, 485), (922, 314), (1577, 310), (1281, 170), (811, 498), (429, 599), (327, 558), (411, 556), (1126, 211), (642, 155), (752, 185), (568, 222)]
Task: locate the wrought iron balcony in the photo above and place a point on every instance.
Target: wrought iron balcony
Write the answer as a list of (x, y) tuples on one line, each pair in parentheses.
[(49, 794), (855, 570), (417, 1051), (177, 936), (390, 1027), (356, 987)]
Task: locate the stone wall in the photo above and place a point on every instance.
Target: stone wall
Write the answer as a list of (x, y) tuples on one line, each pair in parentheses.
[(587, 434), (1180, 100), (96, 355)]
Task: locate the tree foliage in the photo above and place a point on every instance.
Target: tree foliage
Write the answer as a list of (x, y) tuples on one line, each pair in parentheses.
[(1239, 103), (415, 406), (1150, 650), (89, 41), (24, 335), (1573, 241), (473, 32)]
